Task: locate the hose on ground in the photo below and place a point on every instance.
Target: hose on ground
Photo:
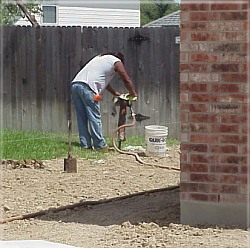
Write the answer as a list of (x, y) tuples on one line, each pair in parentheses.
[(114, 137)]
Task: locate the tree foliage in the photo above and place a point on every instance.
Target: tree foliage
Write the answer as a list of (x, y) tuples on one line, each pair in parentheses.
[(10, 12), (152, 10)]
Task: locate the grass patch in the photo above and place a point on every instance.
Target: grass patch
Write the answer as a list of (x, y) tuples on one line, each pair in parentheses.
[(19, 145)]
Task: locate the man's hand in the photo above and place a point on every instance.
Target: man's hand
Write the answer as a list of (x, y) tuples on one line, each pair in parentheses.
[(126, 79), (117, 93)]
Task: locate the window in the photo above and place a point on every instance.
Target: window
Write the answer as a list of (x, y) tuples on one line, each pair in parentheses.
[(49, 14)]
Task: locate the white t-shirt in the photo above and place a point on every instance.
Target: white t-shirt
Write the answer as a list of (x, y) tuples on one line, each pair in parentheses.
[(98, 72)]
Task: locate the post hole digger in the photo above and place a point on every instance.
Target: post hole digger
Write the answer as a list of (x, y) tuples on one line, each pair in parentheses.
[(124, 101)]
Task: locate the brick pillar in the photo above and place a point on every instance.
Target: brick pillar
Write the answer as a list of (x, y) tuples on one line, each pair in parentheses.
[(213, 112)]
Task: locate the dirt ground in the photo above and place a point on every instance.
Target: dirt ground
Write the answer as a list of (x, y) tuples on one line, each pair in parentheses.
[(118, 203)]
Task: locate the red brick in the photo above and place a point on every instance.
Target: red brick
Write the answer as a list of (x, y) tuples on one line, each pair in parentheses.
[(244, 6), (225, 88), (195, 167), (225, 6), (184, 137), (228, 179), (208, 118), (199, 47), (229, 149), (199, 197), (194, 67), (194, 87), (196, 187), (224, 149), (229, 169), (240, 15), (244, 169), (183, 77), (184, 16), (232, 36), (223, 128), (199, 127), (194, 107), (184, 36), (215, 188), (184, 157), (194, 7), (184, 176), (184, 107), (190, 26), (245, 149), (184, 167), (233, 159), (229, 189), (244, 48), (224, 26), (203, 97), (234, 139), (224, 188), (243, 179), (184, 117), (233, 98), (184, 196), (204, 138), (226, 47), (203, 58), (189, 187), (204, 77), (203, 158), (233, 57), (225, 108), (199, 148), (183, 57), (234, 78), (204, 197), (225, 67), (204, 37), (234, 119), (203, 188), (184, 97), (243, 89), (204, 16), (199, 108)]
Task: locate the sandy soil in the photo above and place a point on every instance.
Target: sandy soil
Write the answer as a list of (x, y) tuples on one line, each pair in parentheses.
[(118, 203)]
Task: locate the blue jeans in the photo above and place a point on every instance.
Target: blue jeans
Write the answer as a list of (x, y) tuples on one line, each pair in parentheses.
[(88, 116)]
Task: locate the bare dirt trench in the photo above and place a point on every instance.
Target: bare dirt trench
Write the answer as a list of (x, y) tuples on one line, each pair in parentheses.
[(126, 205)]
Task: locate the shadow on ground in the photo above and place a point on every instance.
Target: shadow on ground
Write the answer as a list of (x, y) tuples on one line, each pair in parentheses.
[(161, 206)]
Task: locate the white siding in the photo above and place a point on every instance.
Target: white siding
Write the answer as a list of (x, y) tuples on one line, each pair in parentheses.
[(95, 17)]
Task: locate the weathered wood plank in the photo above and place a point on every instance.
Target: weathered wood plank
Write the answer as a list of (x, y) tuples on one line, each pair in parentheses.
[(6, 89)]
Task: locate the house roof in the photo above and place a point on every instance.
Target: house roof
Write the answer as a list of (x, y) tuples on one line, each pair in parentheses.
[(172, 19)]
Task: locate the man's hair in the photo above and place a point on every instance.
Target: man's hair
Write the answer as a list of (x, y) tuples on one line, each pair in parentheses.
[(118, 55)]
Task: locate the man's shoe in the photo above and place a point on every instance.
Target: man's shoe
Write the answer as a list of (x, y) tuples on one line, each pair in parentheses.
[(107, 149), (88, 148)]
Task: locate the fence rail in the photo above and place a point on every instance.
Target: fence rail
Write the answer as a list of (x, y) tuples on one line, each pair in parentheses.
[(39, 63)]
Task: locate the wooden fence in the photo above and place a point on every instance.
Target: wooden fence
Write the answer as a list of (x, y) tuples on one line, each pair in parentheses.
[(39, 63)]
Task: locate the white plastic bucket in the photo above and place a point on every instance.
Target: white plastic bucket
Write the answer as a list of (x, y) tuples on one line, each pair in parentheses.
[(155, 139)]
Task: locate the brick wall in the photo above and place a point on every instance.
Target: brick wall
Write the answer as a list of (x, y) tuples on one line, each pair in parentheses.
[(214, 95)]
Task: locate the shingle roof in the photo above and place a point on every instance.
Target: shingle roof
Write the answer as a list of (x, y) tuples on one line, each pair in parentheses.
[(172, 19)]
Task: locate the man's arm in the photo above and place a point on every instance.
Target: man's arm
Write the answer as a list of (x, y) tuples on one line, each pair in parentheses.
[(112, 91), (126, 79)]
